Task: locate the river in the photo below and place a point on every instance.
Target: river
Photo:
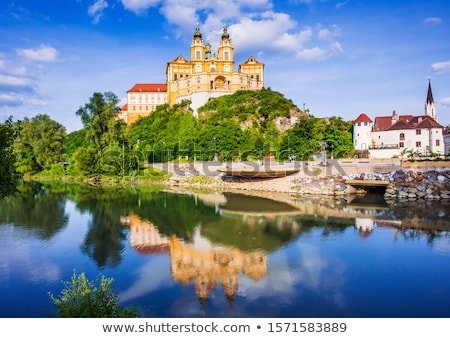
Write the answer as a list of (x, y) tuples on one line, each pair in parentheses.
[(196, 253)]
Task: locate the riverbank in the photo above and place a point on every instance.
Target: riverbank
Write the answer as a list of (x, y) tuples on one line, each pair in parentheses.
[(403, 181)]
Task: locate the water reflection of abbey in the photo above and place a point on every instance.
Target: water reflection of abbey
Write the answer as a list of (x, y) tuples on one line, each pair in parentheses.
[(272, 221), (199, 262)]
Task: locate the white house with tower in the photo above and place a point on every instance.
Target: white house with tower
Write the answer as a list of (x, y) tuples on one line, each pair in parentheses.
[(390, 136)]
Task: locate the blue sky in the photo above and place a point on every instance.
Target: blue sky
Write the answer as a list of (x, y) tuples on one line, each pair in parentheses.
[(336, 58)]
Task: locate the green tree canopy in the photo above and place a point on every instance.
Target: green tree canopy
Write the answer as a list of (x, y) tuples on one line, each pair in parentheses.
[(39, 143), (75, 140), (8, 173), (99, 118), (105, 132)]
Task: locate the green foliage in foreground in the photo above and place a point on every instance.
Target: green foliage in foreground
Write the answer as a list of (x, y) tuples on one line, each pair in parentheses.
[(82, 298)]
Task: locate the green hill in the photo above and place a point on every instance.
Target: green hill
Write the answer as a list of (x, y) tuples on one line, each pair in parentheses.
[(245, 125)]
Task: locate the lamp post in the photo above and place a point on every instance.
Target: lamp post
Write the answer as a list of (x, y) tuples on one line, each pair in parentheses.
[(164, 149), (215, 151), (289, 150), (324, 152)]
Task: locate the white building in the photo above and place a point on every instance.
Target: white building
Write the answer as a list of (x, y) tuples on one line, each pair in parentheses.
[(390, 136), (447, 141), (142, 101)]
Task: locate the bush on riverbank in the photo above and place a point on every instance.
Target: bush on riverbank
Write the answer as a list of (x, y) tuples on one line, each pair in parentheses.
[(82, 298)]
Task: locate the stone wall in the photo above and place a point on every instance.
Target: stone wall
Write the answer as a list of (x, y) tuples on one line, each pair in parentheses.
[(403, 185), (324, 186), (411, 185)]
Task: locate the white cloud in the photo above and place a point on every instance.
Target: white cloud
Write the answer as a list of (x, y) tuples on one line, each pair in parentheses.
[(315, 53), (342, 4), (327, 34), (8, 99), (336, 48), (13, 81), (433, 20), (96, 10), (441, 67), (16, 99), (41, 53), (253, 25), (268, 30), (446, 101), (140, 6)]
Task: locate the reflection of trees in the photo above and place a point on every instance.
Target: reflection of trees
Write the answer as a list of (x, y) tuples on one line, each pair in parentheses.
[(103, 241), (174, 214), (35, 208), (269, 232), (416, 234), (171, 213)]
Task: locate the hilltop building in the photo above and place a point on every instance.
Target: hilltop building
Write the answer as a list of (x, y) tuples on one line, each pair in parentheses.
[(389, 136), (206, 75)]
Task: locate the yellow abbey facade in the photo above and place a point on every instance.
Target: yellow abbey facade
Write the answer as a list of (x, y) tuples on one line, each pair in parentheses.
[(209, 74)]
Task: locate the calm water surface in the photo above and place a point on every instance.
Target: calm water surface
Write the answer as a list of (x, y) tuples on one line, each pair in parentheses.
[(223, 254)]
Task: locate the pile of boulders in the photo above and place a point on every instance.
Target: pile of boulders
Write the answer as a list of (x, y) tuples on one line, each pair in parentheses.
[(326, 186), (410, 185)]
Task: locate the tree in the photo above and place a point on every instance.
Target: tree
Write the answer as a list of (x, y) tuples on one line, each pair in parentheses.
[(40, 143), (8, 174), (82, 298), (103, 130), (339, 137), (99, 117), (75, 140)]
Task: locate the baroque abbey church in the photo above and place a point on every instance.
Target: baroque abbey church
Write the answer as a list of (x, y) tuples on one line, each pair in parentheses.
[(207, 74)]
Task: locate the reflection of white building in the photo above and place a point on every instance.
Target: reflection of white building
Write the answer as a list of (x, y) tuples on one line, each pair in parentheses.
[(389, 136), (364, 226)]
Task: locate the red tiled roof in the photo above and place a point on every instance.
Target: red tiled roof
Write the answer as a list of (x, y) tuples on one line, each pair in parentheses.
[(414, 122), (385, 122), (179, 58), (363, 118), (251, 59), (152, 249), (425, 122), (149, 87), (124, 107), (399, 125)]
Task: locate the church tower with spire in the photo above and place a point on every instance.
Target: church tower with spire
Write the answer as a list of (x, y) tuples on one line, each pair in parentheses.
[(226, 52), (430, 106)]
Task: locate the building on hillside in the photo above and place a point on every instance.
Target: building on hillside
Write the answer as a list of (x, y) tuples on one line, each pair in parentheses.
[(208, 74), (390, 136), (142, 100)]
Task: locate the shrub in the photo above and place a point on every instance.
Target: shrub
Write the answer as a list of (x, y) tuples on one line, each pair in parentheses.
[(82, 298)]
